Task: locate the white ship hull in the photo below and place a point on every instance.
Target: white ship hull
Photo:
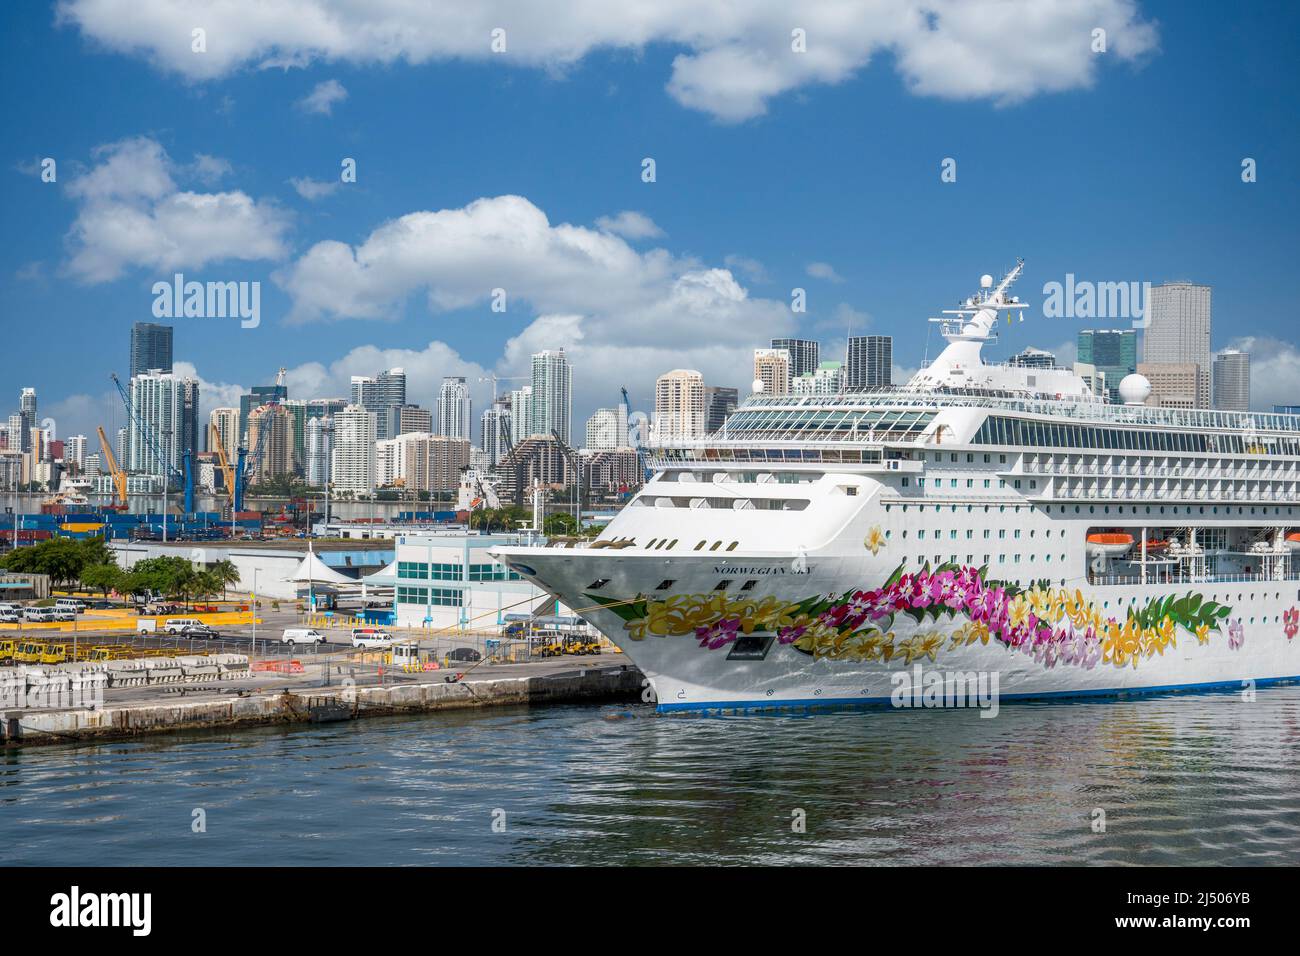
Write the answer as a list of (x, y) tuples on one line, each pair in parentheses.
[(687, 676)]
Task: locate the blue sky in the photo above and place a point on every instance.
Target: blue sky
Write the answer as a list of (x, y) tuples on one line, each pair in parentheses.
[(1123, 167)]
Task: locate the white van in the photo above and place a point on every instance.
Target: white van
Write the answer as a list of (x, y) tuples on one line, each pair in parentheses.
[(75, 605), (302, 635), (370, 637), (39, 615), (174, 625)]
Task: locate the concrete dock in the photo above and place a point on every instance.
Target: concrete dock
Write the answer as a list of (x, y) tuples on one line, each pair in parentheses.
[(329, 688)]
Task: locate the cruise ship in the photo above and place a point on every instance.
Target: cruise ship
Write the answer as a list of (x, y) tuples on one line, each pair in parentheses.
[(981, 519)]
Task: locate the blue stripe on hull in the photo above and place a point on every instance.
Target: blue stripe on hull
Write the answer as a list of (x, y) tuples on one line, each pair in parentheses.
[(813, 703)]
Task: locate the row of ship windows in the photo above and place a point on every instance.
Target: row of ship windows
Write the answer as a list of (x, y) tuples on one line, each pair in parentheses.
[(970, 482), (736, 504), (952, 534), (664, 544), (997, 430), (1119, 509), (667, 583), (938, 559)]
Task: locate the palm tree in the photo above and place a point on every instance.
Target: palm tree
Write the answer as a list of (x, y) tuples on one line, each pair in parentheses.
[(225, 574)]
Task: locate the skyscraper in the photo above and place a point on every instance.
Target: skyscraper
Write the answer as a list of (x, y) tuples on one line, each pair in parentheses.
[(319, 450), (157, 422), (226, 423), (772, 369), (494, 429), (377, 393), (1031, 357), (270, 427), (1112, 351), (679, 404), (192, 438), (405, 419), (27, 412), (1178, 331), (869, 362), (521, 414), (454, 408), (353, 465), (1232, 381), (804, 355), (257, 396), (552, 394), (719, 402), (151, 347)]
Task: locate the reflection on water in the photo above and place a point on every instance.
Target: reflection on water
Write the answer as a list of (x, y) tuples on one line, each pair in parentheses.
[(1181, 780)]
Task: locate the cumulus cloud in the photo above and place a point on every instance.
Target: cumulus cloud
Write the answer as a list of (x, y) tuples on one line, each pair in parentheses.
[(313, 189), (323, 97), (750, 268), (823, 270), (132, 213), (630, 225), (735, 57)]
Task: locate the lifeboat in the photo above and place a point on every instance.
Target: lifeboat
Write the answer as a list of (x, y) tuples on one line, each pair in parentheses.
[(1109, 544), (1292, 541), (1155, 547)]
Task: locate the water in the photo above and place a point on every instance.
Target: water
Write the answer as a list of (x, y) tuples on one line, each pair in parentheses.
[(1189, 779)]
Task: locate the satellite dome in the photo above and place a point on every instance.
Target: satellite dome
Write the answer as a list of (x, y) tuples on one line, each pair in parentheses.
[(1134, 389), (758, 385), (986, 281)]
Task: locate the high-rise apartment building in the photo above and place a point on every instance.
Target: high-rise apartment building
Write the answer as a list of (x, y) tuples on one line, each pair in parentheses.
[(455, 409), (226, 423), (521, 414), (804, 355), (270, 429), (772, 370), (1173, 384), (353, 464), (151, 347), (552, 398), (257, 396), (1232, 380), (159, 407), (827, 379), (869, 362), (1178, 331), (319, 450), (679, 405), (494, 430), (421, 462)]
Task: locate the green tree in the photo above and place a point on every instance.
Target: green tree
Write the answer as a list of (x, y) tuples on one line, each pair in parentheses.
[(103, 578), (227, 575)]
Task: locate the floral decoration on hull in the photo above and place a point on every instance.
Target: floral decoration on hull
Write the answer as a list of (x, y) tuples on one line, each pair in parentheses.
[(1054, 625)]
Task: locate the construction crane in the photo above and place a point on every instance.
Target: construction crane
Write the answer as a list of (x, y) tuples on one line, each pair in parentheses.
[(634, 438), (494, 378), (185, 473), (119, 476), (573, 459)]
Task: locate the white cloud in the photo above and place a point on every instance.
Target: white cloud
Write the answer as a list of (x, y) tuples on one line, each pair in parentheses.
[(630, 225), (735, 57), (210, 169), (623, 315), (323, 97), (750, 268), (823, 270), (313, 189), (133, 214)]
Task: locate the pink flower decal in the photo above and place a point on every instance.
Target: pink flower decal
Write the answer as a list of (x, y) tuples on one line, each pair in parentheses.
[(1290, 622), (1236, 634)]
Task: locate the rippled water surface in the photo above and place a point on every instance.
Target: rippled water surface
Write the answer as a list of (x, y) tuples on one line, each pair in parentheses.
[(1182, 780)]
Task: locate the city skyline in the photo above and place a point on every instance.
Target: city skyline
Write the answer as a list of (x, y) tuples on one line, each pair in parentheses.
[(692, 250)]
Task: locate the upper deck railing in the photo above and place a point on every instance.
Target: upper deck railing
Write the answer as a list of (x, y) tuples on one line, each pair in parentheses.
[(1061, 409)]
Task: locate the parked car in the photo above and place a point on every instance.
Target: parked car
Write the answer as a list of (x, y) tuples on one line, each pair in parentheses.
[(201, 631), (464, 654), (302, 635), (175, 625), (370, 637)]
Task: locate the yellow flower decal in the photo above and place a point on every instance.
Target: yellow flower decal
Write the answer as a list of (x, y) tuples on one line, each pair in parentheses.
[(875, 540)]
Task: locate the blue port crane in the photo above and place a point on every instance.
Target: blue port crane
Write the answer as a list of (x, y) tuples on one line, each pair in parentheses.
[(185, 474), (634, 437)]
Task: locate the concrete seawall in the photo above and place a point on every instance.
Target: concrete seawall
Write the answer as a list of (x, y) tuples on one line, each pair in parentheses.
[(314, 704)]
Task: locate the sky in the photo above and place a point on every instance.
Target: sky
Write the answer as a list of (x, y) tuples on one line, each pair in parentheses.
[(515, 161)]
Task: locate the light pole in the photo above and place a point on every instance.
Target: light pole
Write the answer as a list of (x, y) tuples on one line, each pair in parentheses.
[(252, 605)]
